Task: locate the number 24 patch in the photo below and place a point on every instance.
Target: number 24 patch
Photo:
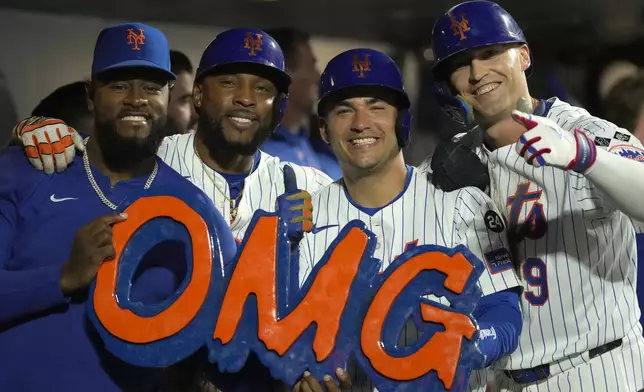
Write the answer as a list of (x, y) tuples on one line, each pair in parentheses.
[(493, 222)]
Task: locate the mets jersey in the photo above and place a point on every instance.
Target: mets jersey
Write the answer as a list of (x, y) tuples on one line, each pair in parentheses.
[(577, 251), (420, 215), (261, 187)]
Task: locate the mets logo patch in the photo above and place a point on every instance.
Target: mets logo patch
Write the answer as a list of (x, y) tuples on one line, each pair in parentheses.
[(628, 151)]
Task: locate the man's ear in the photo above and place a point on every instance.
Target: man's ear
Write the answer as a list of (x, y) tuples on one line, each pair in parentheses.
[(197, 94), (323, 130), (524, 53)]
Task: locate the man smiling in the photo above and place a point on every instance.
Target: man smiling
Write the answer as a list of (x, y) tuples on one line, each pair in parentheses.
[(56, 231), (241, 91)]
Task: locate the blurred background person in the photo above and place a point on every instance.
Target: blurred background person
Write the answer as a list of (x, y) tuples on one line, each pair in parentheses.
[(624, 103), (182, 117), (68, 103), (612, 74), (290, 142), (8, 114)]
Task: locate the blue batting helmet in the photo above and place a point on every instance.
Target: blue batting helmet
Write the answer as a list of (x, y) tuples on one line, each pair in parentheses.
[(240, 49), (468, 25), (366, 68)]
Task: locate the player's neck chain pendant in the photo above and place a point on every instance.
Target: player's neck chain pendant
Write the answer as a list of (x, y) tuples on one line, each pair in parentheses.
[(232, 202), (98, 190)]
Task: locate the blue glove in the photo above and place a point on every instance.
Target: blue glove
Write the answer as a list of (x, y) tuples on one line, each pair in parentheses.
[(295, 207)]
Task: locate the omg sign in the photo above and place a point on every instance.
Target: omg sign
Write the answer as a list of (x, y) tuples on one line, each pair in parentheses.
[(344, 308)]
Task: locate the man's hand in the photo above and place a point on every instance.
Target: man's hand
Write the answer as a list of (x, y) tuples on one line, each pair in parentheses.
[(546, 144), (92, 245), (308, 383), (49, 143), (295, 207)]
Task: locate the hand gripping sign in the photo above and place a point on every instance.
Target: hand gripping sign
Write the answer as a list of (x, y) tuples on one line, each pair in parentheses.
[(344, 307)]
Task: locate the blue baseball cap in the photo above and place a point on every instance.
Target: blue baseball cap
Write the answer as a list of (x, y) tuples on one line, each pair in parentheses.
[(131, 45)]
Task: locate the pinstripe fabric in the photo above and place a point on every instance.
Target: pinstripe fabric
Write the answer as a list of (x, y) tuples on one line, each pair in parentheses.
[(261, 188), (421, 215)]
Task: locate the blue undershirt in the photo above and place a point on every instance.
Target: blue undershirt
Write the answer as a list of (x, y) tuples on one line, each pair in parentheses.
[(236, 181), (640, 274)]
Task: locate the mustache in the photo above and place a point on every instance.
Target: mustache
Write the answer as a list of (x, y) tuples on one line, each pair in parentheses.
[(122, 153), (243, 113), (134, 113), (211, 130)]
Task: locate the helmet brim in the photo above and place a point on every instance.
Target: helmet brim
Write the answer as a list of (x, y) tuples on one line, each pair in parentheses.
[(281, 79), (394, 96)]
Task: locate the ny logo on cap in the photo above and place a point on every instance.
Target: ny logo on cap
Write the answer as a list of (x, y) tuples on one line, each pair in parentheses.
[(459, 27), (361, 66), (253, 42), (135, 39)]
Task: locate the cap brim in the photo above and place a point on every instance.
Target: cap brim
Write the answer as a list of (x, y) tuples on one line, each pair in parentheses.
[(137, 64)]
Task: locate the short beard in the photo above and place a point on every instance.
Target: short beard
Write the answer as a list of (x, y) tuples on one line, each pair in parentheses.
[(213, 137), (122, 154)]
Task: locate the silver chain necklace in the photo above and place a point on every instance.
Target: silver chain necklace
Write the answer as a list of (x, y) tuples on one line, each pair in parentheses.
[(232, 202), (98, 190)]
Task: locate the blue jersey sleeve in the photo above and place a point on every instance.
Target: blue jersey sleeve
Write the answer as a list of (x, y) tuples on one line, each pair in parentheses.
[(23, 292), (500, 323), (640, 274)]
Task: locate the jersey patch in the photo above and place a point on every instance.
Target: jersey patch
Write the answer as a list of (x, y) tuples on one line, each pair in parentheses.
[(628, 151), (622, 136), (498, 260), (602, 141), (493, 222)]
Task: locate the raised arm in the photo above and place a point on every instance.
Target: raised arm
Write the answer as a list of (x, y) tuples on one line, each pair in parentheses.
[(609, 157)]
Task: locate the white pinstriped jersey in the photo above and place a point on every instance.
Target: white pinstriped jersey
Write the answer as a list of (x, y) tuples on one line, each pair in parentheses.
[(639, 227), (577, 251), (261, 187), (422, 215)]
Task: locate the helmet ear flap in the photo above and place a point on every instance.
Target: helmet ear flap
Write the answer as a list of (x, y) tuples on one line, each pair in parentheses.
[(279, 106), (403, 127)]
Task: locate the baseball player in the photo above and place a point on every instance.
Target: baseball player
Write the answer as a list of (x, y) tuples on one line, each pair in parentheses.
[(558, 176), (366, 117), (240, 92), (56, 231)]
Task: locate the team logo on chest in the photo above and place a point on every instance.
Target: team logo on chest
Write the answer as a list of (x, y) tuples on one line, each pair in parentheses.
[(526, 216)]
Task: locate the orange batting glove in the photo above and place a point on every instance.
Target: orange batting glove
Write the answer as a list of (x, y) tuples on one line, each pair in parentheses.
[(295, 207), (49, 143)]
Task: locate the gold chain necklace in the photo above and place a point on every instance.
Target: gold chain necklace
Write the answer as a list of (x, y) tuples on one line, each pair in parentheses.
[(232, 202), (98, 190)]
